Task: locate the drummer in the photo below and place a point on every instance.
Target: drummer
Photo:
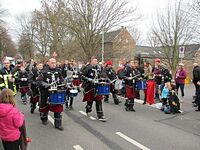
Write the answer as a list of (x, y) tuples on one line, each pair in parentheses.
[(67, 72), (23, 83), (50, 76), (112, 76), (131, 75), (34, 94), (90, 73), (75, 75)]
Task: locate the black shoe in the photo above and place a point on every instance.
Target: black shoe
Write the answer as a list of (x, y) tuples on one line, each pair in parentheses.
[(71, 108), (44, 122), (193, 101), (60, 128), (102, 118), (32, 111), (132, 109), (127, 109), (197, 110), (195, 105)]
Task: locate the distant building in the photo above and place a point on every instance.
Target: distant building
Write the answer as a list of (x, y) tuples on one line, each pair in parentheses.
[(192, 54), (118, 44)]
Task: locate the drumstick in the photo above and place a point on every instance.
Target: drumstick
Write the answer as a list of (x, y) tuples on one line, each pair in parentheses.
[(133, 76)]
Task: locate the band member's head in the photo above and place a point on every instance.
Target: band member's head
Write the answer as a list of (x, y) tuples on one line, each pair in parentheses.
[(132, 63), (157, 62), (94, 61), (52, 63), (39, 66), (7, 97), (66, 62), (6, 63), (109, 63), (22, 68), (136, 63), (146, 64)]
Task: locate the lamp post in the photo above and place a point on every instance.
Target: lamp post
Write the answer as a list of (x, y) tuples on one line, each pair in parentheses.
[(102, 49)]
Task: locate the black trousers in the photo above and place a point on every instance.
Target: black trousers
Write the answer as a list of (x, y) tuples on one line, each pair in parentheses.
[(11, 145), (99, 109), (115, 99), (44, 115), (181, 85), (197, 89), (198, 98), (129, 104)]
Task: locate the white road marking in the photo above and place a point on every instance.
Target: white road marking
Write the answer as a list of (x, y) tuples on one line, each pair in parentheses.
[(156, 105), (77, 147), (139, 101), (82, 112), (132, 141), (49, 118)]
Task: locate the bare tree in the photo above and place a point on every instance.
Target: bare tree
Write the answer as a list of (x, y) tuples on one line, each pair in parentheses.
[(137, 35), (53, 12), (26, 46), (41, 33), (194, 12), (172, 29), (7, 46), (26, 36), (87, 19)]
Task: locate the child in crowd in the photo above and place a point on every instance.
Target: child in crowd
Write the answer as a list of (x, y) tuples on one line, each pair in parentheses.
[(170, 100), (11, 119)]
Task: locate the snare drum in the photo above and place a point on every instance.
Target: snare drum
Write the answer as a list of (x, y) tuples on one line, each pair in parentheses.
[(73, 93), (103, 88), (141, 85), (57, 96)]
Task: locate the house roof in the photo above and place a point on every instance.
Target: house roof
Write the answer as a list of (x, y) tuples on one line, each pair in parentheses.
[(149, 52), (109, 36), (157, 52)]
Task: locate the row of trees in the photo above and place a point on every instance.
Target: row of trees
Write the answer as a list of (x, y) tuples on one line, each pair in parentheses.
[(177, 26), (68, 26), (74, 27), (7, 46)]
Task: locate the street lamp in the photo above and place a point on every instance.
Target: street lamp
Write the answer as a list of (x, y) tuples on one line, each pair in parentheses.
[(102, 49)]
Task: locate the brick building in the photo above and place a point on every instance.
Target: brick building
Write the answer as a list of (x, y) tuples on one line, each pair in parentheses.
[(118, 44)]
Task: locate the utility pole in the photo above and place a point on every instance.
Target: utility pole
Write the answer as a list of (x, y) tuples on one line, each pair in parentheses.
[(102, 49)]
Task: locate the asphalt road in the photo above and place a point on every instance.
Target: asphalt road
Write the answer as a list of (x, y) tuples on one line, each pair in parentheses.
[(147, 128)]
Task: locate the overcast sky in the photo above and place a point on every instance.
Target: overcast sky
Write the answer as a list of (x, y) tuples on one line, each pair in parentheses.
[(146, 7)]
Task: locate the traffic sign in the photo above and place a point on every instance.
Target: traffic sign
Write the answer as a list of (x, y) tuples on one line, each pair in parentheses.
[(182, 52)]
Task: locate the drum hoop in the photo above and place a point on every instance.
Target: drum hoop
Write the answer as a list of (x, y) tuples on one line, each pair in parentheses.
[(52, 90), (104, 83)]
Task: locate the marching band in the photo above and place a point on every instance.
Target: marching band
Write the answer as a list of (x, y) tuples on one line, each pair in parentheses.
[(51, 85)]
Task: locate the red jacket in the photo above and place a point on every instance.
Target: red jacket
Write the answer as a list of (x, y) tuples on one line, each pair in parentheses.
[(180, 76)]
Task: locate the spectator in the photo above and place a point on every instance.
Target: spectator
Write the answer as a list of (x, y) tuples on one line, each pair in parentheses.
[(11, 119), (180, 77), (196, 78)]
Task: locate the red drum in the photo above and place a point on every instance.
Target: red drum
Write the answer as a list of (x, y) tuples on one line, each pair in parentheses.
[(24, 89)]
